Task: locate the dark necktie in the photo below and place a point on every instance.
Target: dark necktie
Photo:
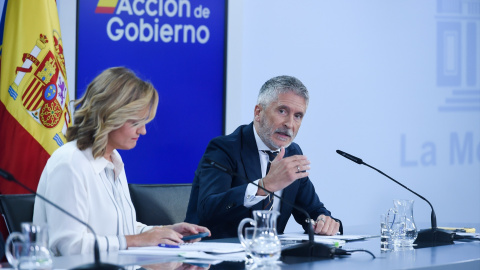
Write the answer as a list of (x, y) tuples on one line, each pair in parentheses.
[(268, 202)]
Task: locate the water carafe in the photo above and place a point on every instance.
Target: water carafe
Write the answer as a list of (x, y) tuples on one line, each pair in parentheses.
[(403, 231), (265, 246), (28, 249)]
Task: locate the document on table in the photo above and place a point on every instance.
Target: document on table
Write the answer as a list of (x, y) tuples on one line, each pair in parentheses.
[(467, 236), (208, 247), (334, 240), (212, 251), (214, 258)]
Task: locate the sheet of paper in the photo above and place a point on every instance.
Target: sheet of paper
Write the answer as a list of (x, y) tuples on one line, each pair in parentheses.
[(209, 247), (151, 251), (202, 263), (469, 235), (237, 256), (213, 247), (332, 240)]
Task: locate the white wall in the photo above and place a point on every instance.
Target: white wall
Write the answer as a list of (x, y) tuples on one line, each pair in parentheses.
[(371, 69)]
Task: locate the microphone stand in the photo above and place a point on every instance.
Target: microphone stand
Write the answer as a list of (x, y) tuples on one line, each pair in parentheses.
[(309, 248), (96, 251), (427, 237)]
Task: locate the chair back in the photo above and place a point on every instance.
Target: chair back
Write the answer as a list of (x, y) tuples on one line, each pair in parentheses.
[(160, 204), (17, 208)]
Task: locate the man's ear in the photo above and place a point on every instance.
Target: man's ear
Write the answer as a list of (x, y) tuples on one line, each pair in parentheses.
[(256, 113)]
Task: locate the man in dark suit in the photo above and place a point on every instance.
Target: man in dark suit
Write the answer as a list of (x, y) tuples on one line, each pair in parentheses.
[(220, 201)]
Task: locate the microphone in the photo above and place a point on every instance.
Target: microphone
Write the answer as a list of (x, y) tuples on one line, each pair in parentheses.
[(306, 249), (352, 158), (427, 237), (96, 251)]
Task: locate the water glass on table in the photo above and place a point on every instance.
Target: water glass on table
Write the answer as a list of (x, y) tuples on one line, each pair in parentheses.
[(384, 233)]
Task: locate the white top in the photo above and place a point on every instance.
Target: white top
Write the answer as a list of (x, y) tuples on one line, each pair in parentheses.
[(251, 198), (93, 190)]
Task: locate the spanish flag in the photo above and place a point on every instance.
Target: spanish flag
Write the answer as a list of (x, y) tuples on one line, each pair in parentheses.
[(34, 107), (106, 6)]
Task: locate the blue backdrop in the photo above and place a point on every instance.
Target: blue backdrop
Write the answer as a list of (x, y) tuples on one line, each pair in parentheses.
[(178, 46)]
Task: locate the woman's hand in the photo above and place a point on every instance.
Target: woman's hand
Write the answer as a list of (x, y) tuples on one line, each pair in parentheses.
[(187, 229), (170, 235), (155, 236)]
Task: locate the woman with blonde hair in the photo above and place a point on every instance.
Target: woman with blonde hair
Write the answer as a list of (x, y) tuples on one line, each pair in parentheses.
[(86, 176)]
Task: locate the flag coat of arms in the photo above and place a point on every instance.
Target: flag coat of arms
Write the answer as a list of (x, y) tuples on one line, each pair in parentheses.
[(34, 107)]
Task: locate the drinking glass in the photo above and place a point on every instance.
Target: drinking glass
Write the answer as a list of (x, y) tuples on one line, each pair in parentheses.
[(384, 233)]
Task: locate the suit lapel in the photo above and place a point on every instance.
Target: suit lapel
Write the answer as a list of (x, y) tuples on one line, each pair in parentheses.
[(250, 158), (249, 154)]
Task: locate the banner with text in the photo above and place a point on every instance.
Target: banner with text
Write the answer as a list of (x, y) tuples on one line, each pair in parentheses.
[(179, 46)]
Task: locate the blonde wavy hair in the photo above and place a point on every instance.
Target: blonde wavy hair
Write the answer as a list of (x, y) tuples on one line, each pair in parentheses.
[(114, 97)]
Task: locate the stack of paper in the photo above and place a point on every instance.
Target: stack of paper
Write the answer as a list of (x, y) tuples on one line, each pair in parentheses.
[(335, 240), (200, 250)]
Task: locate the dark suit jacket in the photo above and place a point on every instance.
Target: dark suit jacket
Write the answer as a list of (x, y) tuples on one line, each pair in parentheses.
[(216, 199)]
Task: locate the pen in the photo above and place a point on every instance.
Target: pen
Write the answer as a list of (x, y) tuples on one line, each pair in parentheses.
[(168, 246)]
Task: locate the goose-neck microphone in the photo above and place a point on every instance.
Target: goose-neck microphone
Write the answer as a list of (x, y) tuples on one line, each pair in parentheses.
[(426, 237)]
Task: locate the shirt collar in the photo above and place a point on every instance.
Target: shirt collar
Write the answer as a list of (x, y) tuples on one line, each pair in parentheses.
[(99, 164), (117, 163)]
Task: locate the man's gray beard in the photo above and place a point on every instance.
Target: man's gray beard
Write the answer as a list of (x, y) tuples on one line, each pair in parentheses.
[(265, 136)]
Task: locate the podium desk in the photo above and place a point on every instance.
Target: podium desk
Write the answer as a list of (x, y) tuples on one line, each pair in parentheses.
[(461, 255)]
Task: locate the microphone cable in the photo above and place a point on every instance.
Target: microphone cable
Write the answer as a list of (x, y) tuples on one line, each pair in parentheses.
[(339, 252)]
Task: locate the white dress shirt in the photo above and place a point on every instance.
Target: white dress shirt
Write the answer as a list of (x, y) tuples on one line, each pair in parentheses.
[(93, 190), (251, 198)]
